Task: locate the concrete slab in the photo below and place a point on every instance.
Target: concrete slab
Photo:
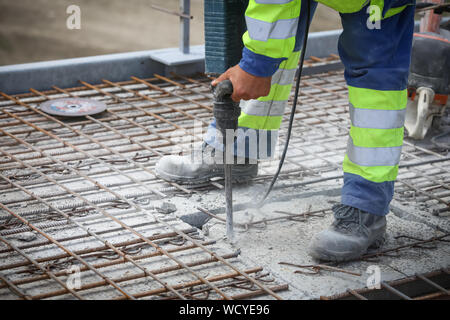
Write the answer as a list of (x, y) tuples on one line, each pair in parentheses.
[(268, 244)]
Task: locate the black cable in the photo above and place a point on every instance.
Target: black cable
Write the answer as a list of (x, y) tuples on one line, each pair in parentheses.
[(441, 144), (294, 106)]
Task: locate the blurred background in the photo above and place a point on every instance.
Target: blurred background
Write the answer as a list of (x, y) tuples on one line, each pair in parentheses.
[(35, 30)]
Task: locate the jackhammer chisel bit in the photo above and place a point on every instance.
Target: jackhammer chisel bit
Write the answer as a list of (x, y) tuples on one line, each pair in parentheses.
[(226, 112)]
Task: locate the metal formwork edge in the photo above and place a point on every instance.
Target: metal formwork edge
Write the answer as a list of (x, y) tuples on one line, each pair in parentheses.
[(66, 73)]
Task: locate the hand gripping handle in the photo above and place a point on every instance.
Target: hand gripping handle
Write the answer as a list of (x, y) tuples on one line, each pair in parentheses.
[(223, 90)]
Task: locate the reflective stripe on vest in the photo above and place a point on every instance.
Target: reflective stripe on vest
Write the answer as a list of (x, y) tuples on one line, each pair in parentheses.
[(280, 29)]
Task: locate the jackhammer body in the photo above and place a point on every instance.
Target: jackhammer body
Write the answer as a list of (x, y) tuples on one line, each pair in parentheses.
[(226, 112)]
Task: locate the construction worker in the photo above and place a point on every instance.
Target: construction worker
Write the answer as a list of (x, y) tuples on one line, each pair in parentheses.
[(375, 48)]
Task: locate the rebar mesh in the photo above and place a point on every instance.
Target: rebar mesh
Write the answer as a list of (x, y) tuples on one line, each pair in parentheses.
[(76, 195)]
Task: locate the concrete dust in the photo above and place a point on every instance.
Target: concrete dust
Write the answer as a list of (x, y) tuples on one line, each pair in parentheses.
[(268, 244)]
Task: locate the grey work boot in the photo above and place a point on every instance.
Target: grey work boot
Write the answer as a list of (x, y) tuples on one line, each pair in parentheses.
[(349, 236), (200, 167)]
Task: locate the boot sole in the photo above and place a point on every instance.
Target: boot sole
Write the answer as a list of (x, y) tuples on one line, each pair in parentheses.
[(193, 181), (325, 255), (334, 257)]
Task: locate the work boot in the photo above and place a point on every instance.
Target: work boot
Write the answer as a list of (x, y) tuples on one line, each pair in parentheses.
[(201, 166), (351, 234)]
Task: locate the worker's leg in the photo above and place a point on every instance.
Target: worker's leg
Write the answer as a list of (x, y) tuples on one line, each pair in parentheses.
[(257, 134), (376, 70), (260, 119)]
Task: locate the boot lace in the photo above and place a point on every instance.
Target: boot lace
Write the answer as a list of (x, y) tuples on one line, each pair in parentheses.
[(348, 220)]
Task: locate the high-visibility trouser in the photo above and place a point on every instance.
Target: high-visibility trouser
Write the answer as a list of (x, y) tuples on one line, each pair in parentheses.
[(376, 133), (266, 113), (376, 60), (263, 115)]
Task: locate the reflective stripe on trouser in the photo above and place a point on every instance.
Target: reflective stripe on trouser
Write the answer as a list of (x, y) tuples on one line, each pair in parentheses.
[(376, 133), (261, 118)]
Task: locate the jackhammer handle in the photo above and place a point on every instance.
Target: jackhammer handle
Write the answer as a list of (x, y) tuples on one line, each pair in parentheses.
[(222, 90)]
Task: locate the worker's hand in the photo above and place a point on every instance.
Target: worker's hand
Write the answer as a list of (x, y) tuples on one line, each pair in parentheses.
[(245, 85)]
